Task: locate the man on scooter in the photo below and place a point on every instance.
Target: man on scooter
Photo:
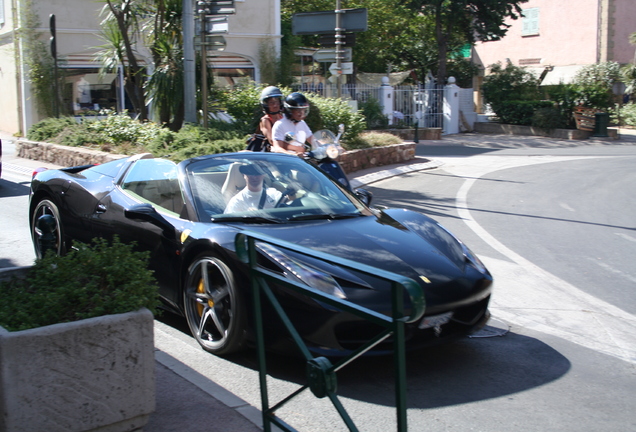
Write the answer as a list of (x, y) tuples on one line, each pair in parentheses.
[(295, 108)]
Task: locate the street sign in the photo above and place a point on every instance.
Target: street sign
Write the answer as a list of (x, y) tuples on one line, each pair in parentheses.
[(324, 22), (212, 42), (329, 40), (216, 7), (216, 24), (329, 55), (213, 25), (346, 68)]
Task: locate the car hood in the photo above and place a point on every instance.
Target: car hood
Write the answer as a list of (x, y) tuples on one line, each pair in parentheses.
[(399, 241)]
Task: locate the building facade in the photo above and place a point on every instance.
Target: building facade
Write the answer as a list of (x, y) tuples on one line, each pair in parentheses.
[(254, 27), (555, 39)]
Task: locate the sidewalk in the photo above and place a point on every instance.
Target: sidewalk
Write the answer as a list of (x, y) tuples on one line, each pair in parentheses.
[(185, 399)]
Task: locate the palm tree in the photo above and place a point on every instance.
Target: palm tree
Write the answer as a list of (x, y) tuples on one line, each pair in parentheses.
[(120, 30), (165, 85)]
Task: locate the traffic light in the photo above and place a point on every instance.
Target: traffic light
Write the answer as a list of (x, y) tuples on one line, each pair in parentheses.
[(52, 39), (216, 7)]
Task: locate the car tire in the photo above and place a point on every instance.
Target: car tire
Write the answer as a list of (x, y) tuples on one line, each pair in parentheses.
[(214, 306), (47, 229)]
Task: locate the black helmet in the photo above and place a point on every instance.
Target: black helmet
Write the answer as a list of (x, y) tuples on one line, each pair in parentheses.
[(271, 92), (296, 100)]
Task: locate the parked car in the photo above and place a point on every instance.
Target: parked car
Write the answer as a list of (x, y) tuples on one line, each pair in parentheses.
[(178, 212)]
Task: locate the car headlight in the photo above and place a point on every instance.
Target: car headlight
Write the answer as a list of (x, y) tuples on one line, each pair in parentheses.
[(472, 258), (306, 274)]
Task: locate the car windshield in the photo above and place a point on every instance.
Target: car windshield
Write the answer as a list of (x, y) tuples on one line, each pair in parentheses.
[(266, 188)]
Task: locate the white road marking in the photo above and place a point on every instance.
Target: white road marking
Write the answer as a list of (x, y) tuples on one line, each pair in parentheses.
[(528, 296), (567, 207), (626, 237)]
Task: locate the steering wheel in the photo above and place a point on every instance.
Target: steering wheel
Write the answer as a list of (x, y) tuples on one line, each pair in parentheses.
[(289, 191)]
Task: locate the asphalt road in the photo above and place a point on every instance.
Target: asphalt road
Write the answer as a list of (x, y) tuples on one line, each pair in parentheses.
[(567, 361)]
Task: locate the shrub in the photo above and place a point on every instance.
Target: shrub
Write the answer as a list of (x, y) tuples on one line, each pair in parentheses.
[(90, 281), (565, 98), (549, 118), (627, 114), (333, 112), (243, 104), (603, 74), (595, 96), (373, 139), (372, 112), (520, 112), (49, 128), (511, 83)]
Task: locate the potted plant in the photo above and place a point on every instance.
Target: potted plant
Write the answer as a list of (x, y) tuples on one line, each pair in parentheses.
[(76, 341)]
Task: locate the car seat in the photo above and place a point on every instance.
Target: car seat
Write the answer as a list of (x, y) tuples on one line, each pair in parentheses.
[(234, 182)]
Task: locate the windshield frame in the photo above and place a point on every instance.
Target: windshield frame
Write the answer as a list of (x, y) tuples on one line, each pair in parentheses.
[(207, 176)]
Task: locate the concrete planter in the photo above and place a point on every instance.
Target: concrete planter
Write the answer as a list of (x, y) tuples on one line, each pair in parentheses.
[(91, 375)]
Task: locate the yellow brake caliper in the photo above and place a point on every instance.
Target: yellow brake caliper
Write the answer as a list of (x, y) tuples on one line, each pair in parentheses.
[(201, 290)]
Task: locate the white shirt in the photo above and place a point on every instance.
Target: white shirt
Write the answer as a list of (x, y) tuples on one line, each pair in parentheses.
[(247, 200), (285, 125)]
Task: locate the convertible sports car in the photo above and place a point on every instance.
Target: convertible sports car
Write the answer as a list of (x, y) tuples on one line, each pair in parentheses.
[(178, 213)]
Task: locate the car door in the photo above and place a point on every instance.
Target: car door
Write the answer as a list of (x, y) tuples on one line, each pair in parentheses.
[(154, 182)]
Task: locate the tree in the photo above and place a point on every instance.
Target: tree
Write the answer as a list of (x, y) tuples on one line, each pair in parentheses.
[(399, 35), (481, 20), (395, 36), (628, 72), (165, 84), (120, 28)]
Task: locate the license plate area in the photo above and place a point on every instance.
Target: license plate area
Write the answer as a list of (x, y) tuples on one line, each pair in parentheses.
[(435, 321)]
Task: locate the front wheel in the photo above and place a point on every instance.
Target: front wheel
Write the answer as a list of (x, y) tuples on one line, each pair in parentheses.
[(214, 306), (46, 229)]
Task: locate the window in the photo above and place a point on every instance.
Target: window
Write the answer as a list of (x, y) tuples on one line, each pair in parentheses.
[(530, 22), (86, 91), (155, 181)]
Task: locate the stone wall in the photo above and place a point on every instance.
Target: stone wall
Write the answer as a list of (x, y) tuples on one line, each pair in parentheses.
[(508, 129), (73, 156), (64, 156), (356, 160), (422, 134)]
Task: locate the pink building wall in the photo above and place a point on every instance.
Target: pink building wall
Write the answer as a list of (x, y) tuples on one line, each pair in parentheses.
[(571, 32), (624, 16)]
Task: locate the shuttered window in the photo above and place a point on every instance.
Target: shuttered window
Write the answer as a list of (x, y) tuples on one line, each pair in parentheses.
[(530, 22)]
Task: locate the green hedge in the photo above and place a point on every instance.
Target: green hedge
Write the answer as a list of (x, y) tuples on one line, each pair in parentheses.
[(519, 112), (90, 281)]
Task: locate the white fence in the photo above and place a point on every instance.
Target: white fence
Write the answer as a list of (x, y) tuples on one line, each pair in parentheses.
[(411, 105)]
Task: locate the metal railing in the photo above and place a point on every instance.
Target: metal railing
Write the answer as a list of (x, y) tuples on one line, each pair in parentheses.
[(321, 373), (411, 103)]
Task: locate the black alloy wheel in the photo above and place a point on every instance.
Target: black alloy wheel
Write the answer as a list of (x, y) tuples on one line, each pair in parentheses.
[(46, 229), (214, 306)]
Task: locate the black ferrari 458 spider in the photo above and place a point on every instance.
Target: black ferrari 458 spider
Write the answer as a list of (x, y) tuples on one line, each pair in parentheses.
[(189, 214)]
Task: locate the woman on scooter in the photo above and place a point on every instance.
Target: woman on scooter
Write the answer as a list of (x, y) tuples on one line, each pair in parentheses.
[(272, 105), (295, 108)]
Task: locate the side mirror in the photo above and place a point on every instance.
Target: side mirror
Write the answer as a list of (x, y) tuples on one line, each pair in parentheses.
[(147, 213), (364, 195), (341, 128)]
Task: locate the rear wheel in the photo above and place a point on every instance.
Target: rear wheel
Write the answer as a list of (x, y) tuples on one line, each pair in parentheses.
[(214, 306), (46, 229)]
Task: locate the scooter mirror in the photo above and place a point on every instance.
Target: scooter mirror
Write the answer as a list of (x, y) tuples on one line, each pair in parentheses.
[(341, 128), (289, 137)]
